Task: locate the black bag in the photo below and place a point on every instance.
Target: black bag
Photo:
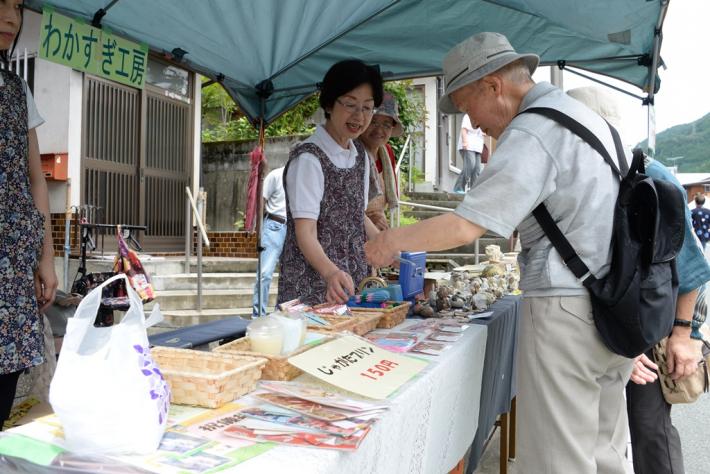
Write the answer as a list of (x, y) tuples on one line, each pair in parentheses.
[(634, 304)]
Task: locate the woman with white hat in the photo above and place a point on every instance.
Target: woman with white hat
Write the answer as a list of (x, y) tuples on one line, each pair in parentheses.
[(384, 125)]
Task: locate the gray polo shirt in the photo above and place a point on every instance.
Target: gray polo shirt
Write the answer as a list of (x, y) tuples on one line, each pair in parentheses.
[(538, 160)]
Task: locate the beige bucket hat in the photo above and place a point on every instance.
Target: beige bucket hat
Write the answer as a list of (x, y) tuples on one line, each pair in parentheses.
[(474, 58)]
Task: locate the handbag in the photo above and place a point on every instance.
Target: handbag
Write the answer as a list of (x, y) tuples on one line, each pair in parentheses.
[(687, 389)]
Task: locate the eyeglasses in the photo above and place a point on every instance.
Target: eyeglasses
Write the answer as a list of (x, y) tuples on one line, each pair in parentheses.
[(354, 108), (386, 126)]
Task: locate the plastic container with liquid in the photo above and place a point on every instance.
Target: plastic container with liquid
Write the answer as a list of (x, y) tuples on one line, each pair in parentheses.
[(266, 335)]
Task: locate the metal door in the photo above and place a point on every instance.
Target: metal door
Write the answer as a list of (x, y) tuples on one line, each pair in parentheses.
[(136, 159)]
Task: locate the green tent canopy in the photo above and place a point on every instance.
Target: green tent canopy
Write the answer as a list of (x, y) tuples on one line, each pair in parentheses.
[(270, 54)]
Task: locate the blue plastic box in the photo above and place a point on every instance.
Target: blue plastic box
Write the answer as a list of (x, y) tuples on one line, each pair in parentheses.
[(411, 276)]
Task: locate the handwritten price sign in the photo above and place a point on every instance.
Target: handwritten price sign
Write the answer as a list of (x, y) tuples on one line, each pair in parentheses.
[(379, 370), (356, 365)]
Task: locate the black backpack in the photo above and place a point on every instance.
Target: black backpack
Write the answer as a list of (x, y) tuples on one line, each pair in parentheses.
[(634, 304)]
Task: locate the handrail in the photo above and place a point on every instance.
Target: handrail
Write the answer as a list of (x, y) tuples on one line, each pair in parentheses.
[(425, 206), (198, 216), (401, 155), (201, 236)]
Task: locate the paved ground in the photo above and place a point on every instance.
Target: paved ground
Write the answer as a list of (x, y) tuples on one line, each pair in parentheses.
[(692, 422)]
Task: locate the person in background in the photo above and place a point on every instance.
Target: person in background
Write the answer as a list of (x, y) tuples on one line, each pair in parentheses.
[(655, 442), (27, 278), (571, 410), (470, 146), (384, 125), (273, 234), (327, 182), (701, 220)]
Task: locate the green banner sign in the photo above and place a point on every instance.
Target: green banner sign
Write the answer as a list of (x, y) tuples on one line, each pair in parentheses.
[(79, 45)]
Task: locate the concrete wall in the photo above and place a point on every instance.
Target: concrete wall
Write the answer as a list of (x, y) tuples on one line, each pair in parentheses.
[(225, 176), (57, 93)]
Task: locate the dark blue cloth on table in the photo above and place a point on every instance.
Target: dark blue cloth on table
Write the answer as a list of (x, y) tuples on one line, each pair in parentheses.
[(498, 381), (200, 334)]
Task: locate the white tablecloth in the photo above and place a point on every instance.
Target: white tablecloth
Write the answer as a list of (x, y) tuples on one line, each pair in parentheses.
[(431, 423), (428, 429)]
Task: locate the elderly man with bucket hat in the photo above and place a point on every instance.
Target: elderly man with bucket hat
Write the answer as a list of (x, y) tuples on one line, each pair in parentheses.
[(383, 182), (571, 411)]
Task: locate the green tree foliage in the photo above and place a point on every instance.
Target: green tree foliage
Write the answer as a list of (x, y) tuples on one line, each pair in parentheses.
[(690, 140), (221, 120)]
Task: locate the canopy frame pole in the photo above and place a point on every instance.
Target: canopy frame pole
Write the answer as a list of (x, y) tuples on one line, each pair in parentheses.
[(565, 67), (331, 40), (264, 90), (101, 13), (657, 40), (651, 86)]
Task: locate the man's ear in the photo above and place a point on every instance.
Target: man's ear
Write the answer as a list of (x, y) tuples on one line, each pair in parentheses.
[(493, 83)]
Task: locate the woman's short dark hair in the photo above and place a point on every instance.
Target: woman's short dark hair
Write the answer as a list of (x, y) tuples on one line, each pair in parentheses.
[(344, 76), (699, 199), (6, 54)]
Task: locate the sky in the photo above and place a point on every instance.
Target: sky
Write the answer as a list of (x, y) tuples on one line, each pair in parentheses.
[(684, 95)]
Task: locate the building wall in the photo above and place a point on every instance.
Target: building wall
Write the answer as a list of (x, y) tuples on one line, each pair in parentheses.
[(57, 93), (225, 177), (430, 128), (693, 189), (228, 244)]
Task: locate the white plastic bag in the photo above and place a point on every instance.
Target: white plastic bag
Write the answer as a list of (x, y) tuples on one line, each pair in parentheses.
[(107, 392)]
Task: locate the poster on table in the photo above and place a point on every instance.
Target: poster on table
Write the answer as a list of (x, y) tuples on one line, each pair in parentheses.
[(354, 364)]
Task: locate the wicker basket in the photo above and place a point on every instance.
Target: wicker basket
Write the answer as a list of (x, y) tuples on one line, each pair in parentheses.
[(277, 367), (207, 379), (390, 316), (336, 323), (366, 321)]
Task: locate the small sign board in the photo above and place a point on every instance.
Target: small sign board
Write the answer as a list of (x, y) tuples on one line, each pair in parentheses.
[(79, 45), (354, 364)]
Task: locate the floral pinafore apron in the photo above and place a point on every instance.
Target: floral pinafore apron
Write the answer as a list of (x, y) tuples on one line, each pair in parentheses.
[(21, 235), (341, 229)]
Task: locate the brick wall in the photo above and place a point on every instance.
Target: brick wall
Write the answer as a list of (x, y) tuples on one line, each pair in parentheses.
[(58, 234), (222, 244), (228, 244)]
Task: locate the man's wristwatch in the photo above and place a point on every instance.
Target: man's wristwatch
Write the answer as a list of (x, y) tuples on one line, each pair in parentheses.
[(682, 322)]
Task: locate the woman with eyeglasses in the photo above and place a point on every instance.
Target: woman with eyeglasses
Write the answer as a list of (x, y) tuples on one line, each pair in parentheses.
[(327, 180), (384, 125)]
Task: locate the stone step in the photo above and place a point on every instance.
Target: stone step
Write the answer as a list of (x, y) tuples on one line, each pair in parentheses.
[(153, 265), (460, 258), (225, 265), (441, 196), (177, 318), (210, 281), (470, 248), (211, 299)]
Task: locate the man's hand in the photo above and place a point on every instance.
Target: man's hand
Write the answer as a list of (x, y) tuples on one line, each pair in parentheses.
[(682, 353), (379, 251), (340, 287), (645, 371), (45, 281)]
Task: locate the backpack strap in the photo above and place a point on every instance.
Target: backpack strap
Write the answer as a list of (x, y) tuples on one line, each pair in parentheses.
[(542, 215), (561, 244)]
